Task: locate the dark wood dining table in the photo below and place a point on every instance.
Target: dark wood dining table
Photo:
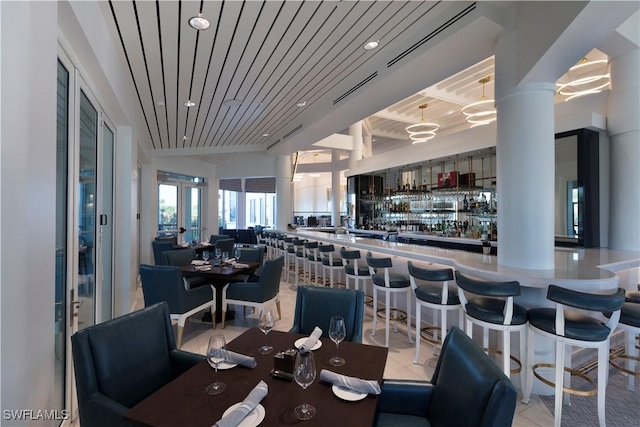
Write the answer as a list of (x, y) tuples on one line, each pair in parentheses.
[(184, 402), (219, 276)]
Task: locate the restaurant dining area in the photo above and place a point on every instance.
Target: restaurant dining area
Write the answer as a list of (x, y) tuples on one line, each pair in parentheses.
[(323, 213), (312, 350)]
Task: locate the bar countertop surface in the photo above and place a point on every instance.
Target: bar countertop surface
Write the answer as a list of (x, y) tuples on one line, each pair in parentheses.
[(576, 268)]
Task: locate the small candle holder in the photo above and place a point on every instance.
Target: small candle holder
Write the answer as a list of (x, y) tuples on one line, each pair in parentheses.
[(283, 364)]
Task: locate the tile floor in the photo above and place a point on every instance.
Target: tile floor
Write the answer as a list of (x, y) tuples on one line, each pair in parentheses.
[(399, 361)]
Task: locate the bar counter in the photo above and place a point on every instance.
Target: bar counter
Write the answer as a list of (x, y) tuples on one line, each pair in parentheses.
[(588, 269)]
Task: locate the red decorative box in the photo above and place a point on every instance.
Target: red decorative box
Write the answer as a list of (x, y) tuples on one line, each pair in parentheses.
[(449, 179)]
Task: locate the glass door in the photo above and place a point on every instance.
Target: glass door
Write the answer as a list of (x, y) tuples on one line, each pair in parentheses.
[(62, 248), (180, 211), (192, 213), (86, 208), (104, 280)]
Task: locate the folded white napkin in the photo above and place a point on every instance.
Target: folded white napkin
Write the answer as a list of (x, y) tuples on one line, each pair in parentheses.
[(248, 404), (241, 359), (198, 262), (203, 267), (240, 265), (311, 341), (231, 260), (352, 383)]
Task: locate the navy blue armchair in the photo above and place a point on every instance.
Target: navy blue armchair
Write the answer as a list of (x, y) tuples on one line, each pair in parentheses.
[(256, 294), (160, 246), (467, 389), (316, 305), (165, 283), (120, 362)]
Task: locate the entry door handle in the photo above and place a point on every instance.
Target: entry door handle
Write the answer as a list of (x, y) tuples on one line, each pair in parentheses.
[(74, 306)]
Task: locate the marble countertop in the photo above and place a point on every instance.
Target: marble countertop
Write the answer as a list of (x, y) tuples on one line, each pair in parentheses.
[(575, 268)]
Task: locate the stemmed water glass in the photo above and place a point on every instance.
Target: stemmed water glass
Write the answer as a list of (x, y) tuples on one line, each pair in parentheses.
[(217, 252), (337, 333), (304, 374), (216, 354), (205, 256), (266, 324), (225, 257), (237, 253)]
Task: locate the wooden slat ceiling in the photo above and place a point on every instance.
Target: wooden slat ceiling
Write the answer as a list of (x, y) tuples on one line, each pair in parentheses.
[(258, 59)]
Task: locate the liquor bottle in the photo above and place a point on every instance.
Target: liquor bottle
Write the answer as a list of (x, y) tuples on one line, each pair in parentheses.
[(465, 204), (414, 188)]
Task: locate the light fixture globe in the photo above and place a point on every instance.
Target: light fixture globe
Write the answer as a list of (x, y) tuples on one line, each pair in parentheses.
[(481, 112), (422, 132), (199, 22)]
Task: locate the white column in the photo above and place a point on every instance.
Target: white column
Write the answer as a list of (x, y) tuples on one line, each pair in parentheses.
[(525, 165), (213, 216), (284, 212), (367, 148), (241, 214), (355, 130), (335, 188), (623, 117)]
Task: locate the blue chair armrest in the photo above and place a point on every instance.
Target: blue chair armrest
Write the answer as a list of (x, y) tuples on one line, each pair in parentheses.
[(182, 361), (105, 412), (196, 297), (407, 397)]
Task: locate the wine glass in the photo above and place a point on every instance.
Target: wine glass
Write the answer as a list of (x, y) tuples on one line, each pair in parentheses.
[(266, 324), (337, 333), (304, 374), (225, 257), (205, 256), (237, 253), (216, 353), (218, 253)]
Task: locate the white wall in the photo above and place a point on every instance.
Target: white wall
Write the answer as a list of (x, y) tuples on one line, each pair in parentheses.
[(28, 171), (27, 189)]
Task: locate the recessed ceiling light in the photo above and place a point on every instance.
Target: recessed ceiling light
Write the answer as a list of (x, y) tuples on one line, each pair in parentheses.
[(301, 104), (199, 22), (160, 103), (189, 103), (265, 134), (185, 138), (231, 103), (371, 45)]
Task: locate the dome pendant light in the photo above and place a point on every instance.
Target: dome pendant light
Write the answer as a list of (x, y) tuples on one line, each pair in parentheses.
[(422, 132), (481, 112)]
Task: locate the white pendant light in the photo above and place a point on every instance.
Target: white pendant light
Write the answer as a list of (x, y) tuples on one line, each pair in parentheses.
[(481, 112), (594, 77), (422, 132)]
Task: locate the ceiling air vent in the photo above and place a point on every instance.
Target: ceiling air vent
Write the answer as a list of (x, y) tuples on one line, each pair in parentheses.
[(292, 131), (273, 145), (434, 33), (356, 87)]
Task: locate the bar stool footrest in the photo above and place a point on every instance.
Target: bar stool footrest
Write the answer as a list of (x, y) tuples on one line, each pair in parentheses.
[(430, 334), (591, 392), (517, 370), (622, 368), (395, 314)]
